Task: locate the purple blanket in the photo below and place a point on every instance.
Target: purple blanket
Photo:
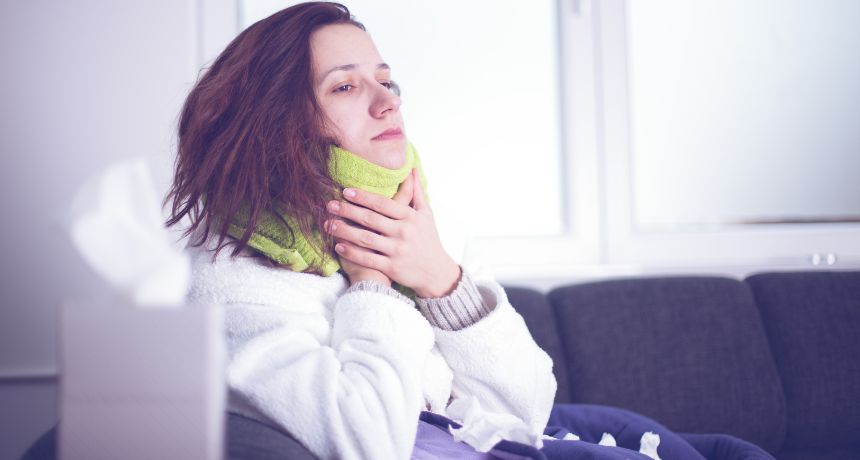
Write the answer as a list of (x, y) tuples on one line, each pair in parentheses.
[(589, 422)]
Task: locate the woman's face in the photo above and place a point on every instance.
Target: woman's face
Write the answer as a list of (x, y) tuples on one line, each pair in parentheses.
[(352, 86)]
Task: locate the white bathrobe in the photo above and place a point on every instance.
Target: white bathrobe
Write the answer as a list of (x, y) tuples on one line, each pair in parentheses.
[(347, 374)]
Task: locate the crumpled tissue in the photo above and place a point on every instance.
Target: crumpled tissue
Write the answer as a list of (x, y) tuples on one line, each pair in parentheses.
[(115, 222), (566, 437), (484, 429), (648, 444), (607, 440)]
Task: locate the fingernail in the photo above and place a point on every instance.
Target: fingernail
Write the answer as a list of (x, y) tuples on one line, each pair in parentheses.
[(334, 205), (348, 192), (339, 248)]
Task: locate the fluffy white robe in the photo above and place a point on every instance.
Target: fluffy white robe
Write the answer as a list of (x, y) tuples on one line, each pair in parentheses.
[(348, 373)]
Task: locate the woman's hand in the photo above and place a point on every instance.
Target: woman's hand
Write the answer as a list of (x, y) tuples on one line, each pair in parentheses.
[(394, 238), (357, 273)]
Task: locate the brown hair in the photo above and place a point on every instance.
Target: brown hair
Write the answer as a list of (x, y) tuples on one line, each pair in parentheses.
[(251, 133)]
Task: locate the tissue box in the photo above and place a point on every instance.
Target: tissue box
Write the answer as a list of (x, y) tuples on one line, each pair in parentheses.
[(141, 383)]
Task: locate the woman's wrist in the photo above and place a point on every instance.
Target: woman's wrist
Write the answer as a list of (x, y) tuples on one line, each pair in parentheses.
[(377, 278), (380, 288), (444, 284), (458, 310)]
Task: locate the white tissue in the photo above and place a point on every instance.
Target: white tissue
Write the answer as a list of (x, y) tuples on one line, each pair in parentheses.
[(648, 444), (567, 437), (116, 225), (607, 440), (483, 429)]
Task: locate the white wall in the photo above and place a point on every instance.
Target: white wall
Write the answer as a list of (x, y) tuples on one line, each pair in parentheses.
[(85, 83)]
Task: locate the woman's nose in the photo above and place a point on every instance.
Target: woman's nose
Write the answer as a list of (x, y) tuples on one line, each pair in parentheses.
[(384, 101)]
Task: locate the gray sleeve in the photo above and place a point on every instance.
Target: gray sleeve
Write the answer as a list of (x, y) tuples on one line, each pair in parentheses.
[(374, 286), (460, 309)]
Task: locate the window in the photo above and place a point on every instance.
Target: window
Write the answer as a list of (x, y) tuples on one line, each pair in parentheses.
[(757, 124), (728, 131)]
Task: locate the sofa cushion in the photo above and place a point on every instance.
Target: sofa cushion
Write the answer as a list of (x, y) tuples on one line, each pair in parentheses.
[(723, 446), (812, 320), (839, 453), (689, 352), (536, 311), (251, 439)]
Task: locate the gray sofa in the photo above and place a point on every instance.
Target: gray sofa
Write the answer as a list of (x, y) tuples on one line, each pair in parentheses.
[(773, 359)]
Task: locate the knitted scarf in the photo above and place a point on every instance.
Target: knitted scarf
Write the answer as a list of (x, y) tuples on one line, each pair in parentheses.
[(274, 240)]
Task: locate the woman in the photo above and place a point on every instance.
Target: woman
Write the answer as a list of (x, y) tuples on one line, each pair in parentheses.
[(297, 107), (309, 222)]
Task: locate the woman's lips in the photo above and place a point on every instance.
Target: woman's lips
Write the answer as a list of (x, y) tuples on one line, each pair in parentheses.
[(389, 134)]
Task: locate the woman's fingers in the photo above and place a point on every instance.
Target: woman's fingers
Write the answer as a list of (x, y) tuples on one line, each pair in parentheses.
[(404, 192), (418, 199), (362, 256), (394, 238), (385, 206), (364, 216), (359, 236)]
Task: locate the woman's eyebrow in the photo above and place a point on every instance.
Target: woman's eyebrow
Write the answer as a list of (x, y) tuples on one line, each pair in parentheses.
[(345, 67)]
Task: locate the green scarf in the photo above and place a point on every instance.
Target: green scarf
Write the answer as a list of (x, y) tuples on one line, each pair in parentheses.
[(272, 237)]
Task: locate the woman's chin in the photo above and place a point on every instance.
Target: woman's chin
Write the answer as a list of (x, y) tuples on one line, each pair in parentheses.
[(391, 156), (393, 162)]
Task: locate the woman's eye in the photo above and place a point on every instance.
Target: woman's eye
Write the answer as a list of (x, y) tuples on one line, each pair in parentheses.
[(344, 88), (391, 86)]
